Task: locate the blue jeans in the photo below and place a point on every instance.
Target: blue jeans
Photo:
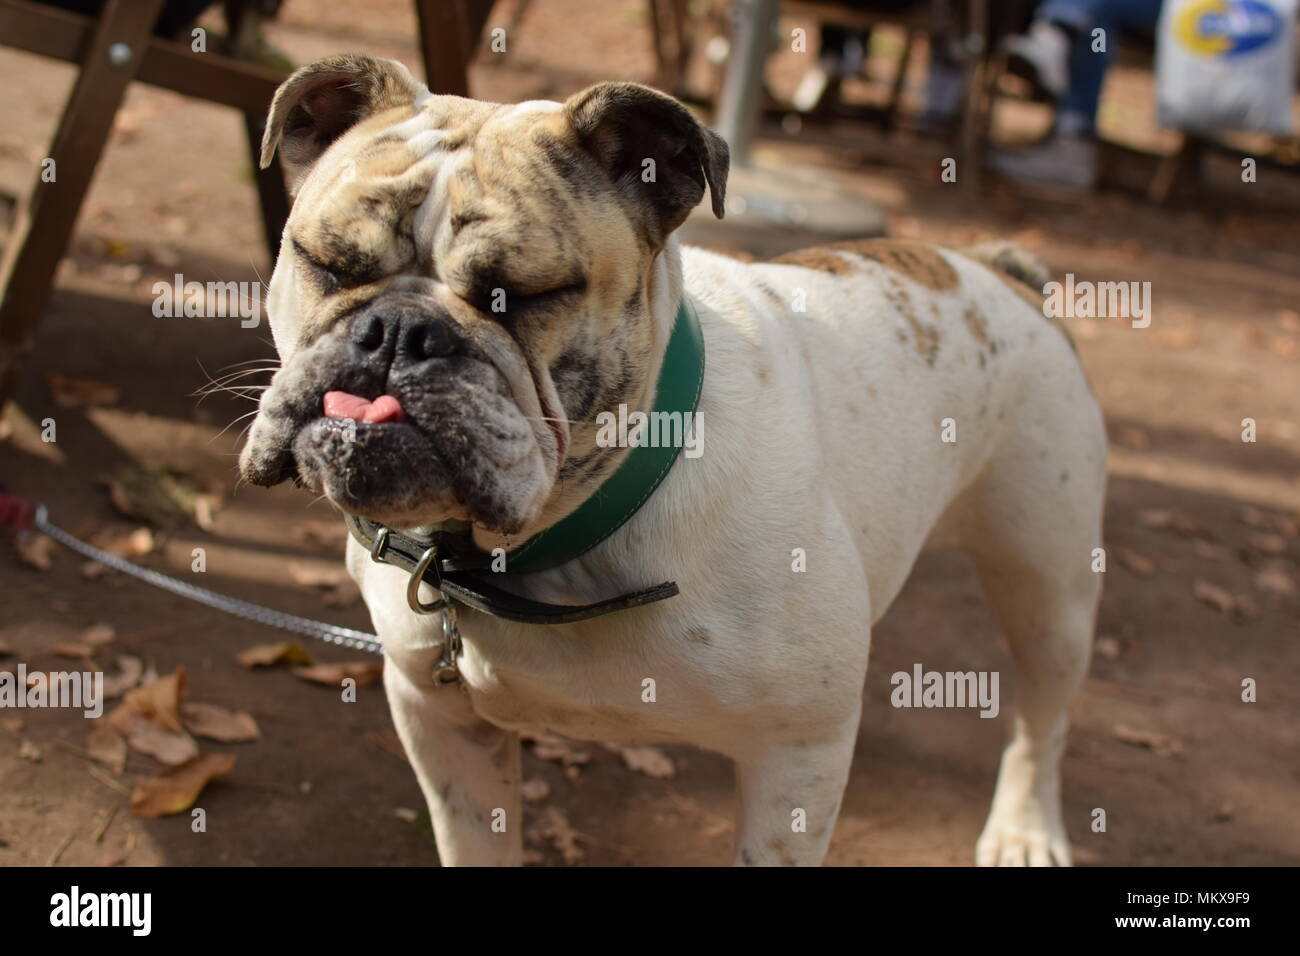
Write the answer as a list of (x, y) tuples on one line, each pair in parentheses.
[(1077, 112)]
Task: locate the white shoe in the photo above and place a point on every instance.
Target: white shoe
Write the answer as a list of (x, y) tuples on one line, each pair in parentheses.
[(1059, 161), (1043, 56)]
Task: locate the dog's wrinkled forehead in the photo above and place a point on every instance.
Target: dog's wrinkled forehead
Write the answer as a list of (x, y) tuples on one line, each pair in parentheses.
[(391, 180)]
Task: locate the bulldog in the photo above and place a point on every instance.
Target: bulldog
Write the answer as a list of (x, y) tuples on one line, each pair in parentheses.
[(464, 288)]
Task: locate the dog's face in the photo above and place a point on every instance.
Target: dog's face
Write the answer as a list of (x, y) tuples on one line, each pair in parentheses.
[(462, 287)]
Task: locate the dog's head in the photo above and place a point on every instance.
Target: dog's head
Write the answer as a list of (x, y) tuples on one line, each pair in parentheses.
[(463, 286)]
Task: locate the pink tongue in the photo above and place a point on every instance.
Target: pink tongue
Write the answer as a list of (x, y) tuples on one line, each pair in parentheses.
[(385, 408)]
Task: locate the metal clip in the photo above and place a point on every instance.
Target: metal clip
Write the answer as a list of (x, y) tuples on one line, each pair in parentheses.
[(378, 546), (446, 671), (427, 560)]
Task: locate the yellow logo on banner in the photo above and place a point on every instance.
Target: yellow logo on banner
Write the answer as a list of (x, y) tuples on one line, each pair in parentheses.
[(1187, 27)]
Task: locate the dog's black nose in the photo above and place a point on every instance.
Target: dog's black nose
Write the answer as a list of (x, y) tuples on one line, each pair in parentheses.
[(400, 337)]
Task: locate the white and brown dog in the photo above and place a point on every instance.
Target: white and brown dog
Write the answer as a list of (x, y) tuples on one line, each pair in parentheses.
[(415, 213)]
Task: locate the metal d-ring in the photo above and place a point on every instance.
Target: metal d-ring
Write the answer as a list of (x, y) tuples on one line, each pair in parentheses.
[(427, 560), (378, 545)]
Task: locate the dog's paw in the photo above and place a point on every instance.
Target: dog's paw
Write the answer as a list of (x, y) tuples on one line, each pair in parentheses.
[(1009, 842)]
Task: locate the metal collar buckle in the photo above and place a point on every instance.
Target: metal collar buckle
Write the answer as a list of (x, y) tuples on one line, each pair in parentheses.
[(445, 670)]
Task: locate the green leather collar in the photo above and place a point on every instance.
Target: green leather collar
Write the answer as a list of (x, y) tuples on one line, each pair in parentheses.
[(681, 378), (450, 563)]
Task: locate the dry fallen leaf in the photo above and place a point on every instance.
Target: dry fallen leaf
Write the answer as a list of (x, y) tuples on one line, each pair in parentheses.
[(551, 747), (34, 549), (80, 392), (1275, 577), (175, 789), (650, 761), (317, 576), (82, 651), (554, 827), (1108, 647), (13, 724), (535, 790), (1130, 437), (267, 655), (98, 635), (5, 649), (159, 701), (1237, 606), (1161, 744), (1139, 564), (1266, 543), (1166, 519), (363, 672), (147, 737), (320, 534), (125, 544), (1274, 521), (406, 814), (218, 723), (131, 669), (29, 751), (107, 746)]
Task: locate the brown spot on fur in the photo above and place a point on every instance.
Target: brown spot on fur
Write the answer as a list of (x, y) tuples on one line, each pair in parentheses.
[(820, 258), (978, 325), (921, 263), (925, 337)]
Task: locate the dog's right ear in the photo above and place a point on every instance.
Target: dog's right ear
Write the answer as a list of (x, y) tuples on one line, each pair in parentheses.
[(322, 101)]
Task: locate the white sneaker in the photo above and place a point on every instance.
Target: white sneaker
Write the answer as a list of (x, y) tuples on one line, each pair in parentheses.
[(1059, 161), (1042, 56)]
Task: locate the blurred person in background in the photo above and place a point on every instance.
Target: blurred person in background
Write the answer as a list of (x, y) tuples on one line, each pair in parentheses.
[(1060, 55)]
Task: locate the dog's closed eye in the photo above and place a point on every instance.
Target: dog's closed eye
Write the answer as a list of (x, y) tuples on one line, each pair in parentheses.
[(331, 278)]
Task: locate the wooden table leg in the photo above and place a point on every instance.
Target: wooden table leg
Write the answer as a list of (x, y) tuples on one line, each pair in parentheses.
[(45, 222), (445, 45), (272, 195)]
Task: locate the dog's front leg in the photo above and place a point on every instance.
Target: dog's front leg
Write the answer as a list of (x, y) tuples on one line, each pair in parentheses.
[(467, 768), (789, 798)]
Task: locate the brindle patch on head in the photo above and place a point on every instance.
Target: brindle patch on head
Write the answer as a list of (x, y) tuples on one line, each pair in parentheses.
[(820, 258), (921, 263)]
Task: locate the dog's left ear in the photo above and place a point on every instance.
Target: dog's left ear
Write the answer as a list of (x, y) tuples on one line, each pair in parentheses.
[(655, 151), (322, 101)]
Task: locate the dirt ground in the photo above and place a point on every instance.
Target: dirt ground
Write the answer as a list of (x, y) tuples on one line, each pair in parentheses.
[(1201, 586)]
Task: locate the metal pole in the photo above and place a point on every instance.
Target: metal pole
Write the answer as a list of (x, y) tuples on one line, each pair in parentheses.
[(742, 88)]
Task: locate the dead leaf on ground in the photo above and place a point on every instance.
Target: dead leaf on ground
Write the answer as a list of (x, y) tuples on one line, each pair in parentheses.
[(82, 651), (5, 649), (29, 751), (317, 576), (1139, 564), (34, 550), (1135, 438), (552, 747), (97, 635), (535, 790), (1161, 744), (555, 829), (107, 746), (13, 724), (135, 543), (81, 392), (1275, 577), (1166, 519), (1275, 521), (218, 723), (268, 655), (1266, 543), (130, 670), (1108, 647), (1237, 606), (159, 496), (160, 700), (364, 673), (144, 735), (650, 761), (175, 789), (406, 814)]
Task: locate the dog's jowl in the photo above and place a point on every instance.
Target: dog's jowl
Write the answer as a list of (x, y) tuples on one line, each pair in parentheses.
[(469, 294)]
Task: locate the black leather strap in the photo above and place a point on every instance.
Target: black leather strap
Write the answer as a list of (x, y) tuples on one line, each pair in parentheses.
[(463, 574)]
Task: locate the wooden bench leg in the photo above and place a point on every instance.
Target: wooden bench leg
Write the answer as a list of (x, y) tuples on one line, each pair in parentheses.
[(272, 195), (445, 45), (45, 222)]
